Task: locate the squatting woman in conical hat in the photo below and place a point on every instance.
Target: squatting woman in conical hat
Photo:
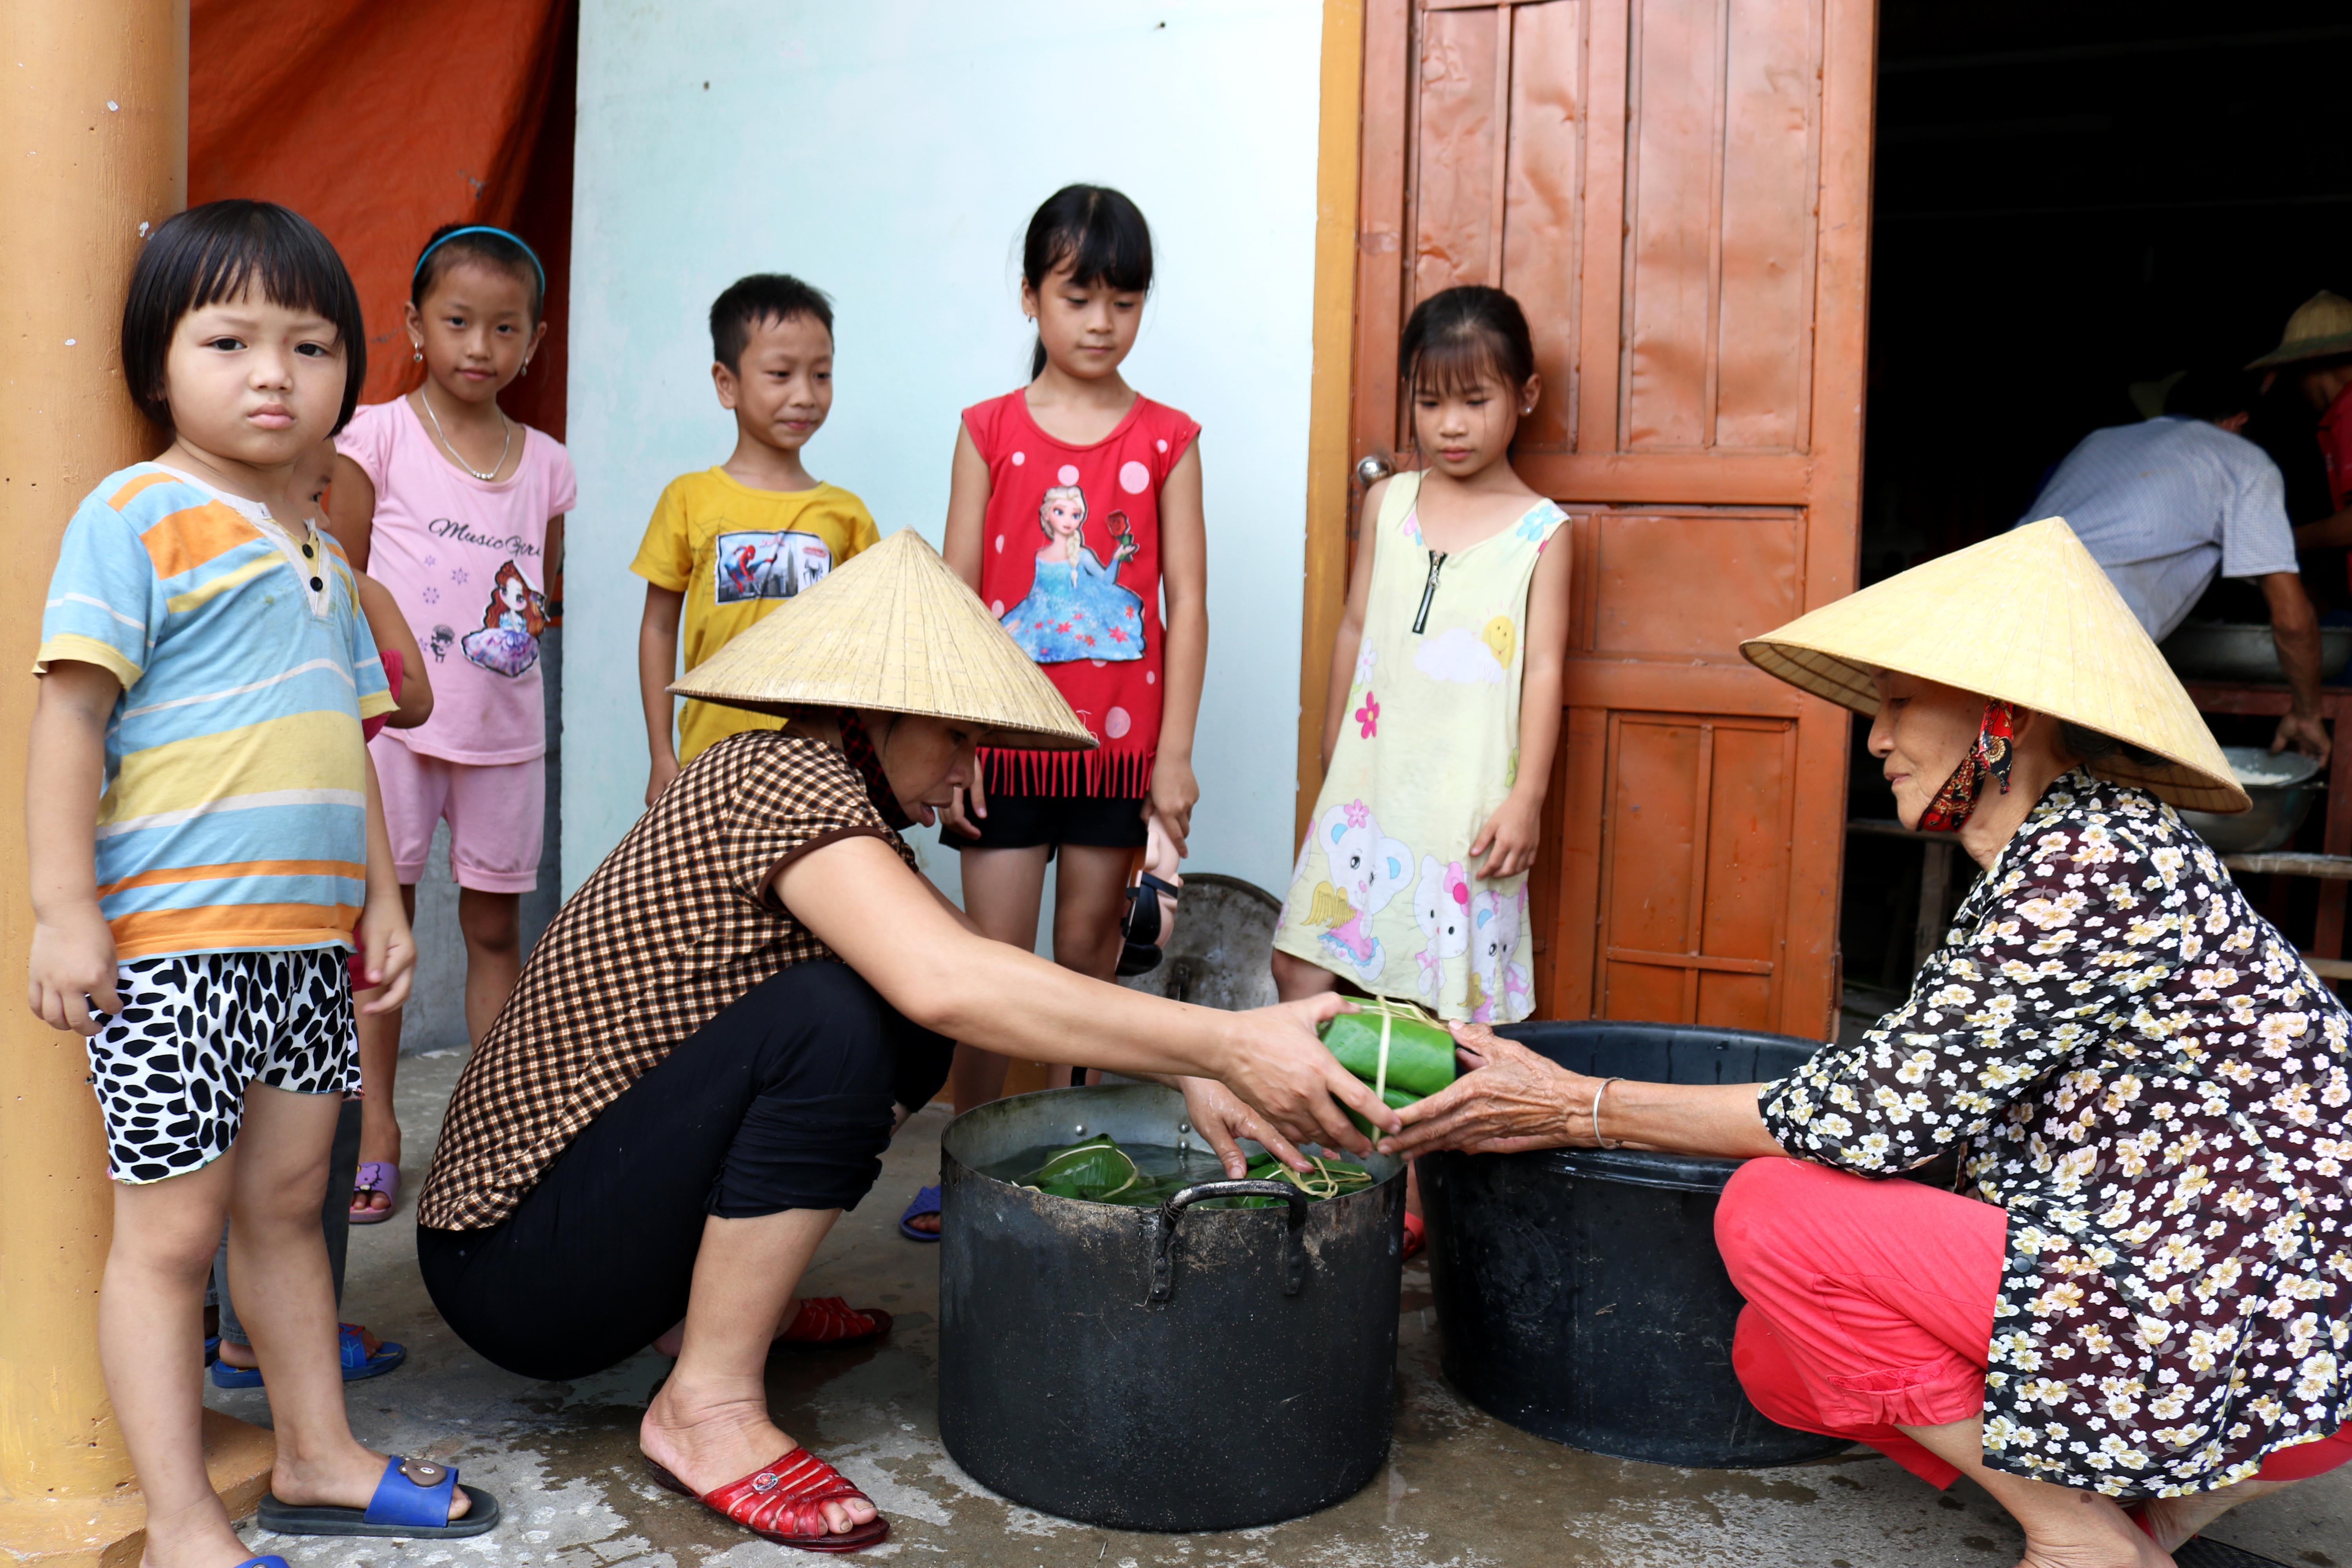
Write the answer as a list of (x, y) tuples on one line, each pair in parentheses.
[(714, 1039), (2133, 1314)]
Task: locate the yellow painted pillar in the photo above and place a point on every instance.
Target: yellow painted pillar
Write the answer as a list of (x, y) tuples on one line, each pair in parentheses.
[(93, 154), (1339, 162)]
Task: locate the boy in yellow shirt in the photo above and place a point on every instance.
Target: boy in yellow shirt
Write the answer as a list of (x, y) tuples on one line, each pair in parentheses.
[(726, 545)]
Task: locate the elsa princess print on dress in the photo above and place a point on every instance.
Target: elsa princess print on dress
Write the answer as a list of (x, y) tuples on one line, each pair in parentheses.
[(1076, 608), (507, 643)]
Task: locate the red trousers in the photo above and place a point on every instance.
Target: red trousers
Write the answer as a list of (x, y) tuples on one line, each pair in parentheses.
[(1870, 1308)]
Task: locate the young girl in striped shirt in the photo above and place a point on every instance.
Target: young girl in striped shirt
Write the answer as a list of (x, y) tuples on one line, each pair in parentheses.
[(204, 832)]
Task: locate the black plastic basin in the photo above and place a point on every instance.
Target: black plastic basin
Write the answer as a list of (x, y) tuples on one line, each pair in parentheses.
[(1580, 1291)]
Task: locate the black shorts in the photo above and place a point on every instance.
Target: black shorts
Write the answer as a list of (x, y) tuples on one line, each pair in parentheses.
[(1025, 821)]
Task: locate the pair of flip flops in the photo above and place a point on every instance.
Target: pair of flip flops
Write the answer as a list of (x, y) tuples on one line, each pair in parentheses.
[(375, 1176), (784, 1502), (413, 1499), (926, 1202), (357, 1362)]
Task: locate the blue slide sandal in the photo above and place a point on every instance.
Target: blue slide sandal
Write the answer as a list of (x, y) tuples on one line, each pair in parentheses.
[(357, 1362), (413, 1499), (926, 1201)]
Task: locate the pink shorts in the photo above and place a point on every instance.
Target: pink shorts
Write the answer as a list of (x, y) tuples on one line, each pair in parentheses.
[(496, 814)]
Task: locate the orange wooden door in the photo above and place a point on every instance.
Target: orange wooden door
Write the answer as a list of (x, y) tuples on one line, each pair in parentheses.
[(1677, 193)]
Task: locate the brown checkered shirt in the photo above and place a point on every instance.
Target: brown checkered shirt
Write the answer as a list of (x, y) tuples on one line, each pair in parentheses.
[(673, 927)]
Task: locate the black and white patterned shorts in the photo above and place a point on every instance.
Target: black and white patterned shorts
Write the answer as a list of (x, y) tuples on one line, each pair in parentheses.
[(172, 1068)]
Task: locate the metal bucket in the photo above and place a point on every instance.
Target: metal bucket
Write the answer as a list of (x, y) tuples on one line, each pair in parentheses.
[(1580, 1291), (1167, 1368)]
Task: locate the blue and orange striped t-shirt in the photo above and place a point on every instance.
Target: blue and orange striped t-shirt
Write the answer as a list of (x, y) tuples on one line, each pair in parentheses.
[(234, 812)]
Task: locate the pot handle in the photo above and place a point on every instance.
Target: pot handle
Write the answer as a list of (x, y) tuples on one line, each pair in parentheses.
[(1160, 1232)]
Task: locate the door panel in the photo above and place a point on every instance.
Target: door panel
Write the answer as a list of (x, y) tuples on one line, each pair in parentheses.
[(1494, 134), (1640, 579), (1674, 196), (1696, 868), (1676, 191), (1722, 169), (1541, 236), (1769, 172)]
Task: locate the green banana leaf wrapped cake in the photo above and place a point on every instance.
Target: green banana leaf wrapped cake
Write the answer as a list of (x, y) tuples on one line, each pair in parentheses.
[(1403, 1052)]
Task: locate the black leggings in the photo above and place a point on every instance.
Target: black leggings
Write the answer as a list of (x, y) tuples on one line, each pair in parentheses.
[(782, 1101)]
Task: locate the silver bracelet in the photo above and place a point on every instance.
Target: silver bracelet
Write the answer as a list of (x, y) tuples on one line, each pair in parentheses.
[(1596, 1113)]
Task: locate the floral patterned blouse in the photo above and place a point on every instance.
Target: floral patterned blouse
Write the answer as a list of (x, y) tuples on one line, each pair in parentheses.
[(2140, 1069)]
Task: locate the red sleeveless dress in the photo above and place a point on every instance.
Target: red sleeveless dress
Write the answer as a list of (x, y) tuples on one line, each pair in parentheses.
[(1070, 565)]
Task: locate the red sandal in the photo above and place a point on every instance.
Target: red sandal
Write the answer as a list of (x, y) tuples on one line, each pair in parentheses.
[(832, 1320), (783, 1502)]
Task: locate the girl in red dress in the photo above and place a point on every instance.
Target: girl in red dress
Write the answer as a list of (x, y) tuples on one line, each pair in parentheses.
[(1075, 514)]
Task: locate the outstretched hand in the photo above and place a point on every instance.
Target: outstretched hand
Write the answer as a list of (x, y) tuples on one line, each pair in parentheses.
[(1224, 1120), (1277, 1066), (1507, 1098)]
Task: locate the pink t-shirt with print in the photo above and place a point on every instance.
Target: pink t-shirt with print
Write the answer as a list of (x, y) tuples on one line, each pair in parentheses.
[(467, 562)]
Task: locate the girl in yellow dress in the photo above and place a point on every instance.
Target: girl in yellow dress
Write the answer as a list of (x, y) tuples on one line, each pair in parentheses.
[(1445, 697)]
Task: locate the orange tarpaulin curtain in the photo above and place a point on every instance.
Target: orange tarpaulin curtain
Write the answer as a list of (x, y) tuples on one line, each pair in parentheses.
[(380, 121)]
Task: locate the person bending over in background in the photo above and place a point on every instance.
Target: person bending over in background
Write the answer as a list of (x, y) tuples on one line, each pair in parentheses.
[(2167, 505)]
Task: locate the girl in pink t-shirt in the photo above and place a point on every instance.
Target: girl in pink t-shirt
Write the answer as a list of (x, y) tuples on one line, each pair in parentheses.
[(458, 511)]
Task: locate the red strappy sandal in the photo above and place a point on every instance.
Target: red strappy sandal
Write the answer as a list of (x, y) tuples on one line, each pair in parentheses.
[(832, 1320), (783, 1503)]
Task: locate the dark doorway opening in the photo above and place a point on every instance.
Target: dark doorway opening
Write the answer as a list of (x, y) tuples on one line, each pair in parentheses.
[(2070, 200)]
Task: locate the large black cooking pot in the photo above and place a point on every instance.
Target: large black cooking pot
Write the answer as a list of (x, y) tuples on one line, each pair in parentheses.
[(1168, 1368), (1580, 1291)]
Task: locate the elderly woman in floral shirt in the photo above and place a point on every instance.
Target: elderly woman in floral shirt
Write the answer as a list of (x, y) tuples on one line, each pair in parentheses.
[(2142, 1293)]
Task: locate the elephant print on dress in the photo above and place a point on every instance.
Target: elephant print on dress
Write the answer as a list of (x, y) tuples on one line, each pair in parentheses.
[(1366, 872)]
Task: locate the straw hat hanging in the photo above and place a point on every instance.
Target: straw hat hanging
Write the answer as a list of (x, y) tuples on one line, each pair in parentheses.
[(2026, 617), (2321, 327), (896, 631)]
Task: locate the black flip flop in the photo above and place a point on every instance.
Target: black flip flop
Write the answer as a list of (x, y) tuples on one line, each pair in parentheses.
[(412, 1500)]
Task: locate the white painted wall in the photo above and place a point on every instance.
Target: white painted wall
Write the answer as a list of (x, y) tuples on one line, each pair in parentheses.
[(891, 151)]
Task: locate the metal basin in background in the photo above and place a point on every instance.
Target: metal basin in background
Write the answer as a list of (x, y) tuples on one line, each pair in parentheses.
[(2236, 650), (2283, 788)]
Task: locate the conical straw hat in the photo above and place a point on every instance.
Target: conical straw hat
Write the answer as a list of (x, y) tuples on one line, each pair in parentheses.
[(2026, 617), (2321, 327), (893, 630)]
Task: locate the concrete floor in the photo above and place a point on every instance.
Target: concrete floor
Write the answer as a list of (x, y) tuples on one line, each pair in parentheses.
[(1461, 1490)]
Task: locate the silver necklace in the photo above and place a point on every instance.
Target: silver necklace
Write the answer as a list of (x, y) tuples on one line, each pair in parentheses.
[(427, 398)]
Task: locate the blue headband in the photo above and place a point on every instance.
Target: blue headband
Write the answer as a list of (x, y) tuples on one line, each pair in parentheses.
[(482, 228)]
